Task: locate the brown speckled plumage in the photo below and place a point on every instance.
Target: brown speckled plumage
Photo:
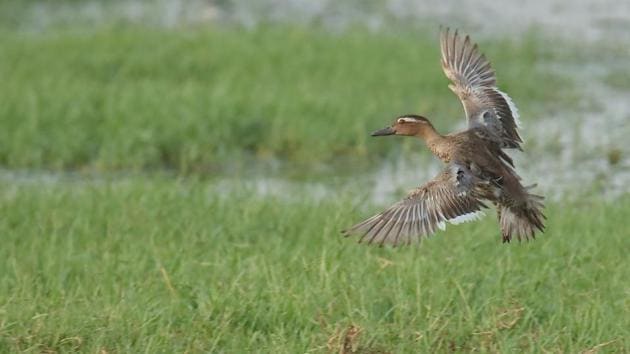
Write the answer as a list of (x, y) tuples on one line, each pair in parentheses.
[(478, 169)]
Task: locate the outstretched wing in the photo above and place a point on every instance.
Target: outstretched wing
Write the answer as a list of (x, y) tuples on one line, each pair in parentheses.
[(474, 82), (451, 196)]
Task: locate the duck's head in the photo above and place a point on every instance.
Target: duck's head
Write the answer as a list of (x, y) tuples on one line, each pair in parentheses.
[(407, 125)]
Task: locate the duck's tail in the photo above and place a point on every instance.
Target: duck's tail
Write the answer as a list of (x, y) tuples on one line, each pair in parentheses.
[(524, 220)]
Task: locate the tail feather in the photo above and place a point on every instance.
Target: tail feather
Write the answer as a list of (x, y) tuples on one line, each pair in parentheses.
[(522, 221)]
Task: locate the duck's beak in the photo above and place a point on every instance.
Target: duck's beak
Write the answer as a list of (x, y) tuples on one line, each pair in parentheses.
[(384, 131)]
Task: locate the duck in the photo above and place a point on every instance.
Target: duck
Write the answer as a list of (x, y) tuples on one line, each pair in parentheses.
[(478, 169)]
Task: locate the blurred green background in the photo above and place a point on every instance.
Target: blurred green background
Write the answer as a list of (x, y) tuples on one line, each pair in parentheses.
[(174, 176)]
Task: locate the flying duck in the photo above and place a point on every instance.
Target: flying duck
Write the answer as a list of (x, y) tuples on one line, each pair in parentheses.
[(478, 169)]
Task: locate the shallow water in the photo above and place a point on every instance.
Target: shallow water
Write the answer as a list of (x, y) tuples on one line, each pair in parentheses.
[(570, 151), (588, 20)]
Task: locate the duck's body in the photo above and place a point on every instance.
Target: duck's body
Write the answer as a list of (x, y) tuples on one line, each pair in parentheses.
[(477, 167), (486, 161)]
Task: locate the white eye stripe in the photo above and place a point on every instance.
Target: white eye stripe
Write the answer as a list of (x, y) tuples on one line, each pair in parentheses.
[(407, 120)]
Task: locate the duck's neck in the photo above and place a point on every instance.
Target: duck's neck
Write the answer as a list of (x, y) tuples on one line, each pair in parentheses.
[(430, 135), (435, 142)]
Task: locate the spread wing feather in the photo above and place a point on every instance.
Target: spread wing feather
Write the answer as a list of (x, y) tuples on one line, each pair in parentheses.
[(474, 82), (452, 196)]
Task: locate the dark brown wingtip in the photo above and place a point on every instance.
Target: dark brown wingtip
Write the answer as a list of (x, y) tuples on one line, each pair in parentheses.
[(445, 32)]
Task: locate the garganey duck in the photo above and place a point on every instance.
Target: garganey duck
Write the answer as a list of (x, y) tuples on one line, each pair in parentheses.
[(478, 169)]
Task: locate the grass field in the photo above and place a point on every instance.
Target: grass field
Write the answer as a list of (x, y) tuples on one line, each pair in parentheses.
[(162, 265), (194, 99), (129, 223)]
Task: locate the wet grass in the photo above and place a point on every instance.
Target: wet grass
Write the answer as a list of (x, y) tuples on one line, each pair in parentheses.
[(619, 81), (199, 99), (164, 265)]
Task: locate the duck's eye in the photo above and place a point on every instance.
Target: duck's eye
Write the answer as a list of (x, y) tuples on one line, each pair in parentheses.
[(401, 121)]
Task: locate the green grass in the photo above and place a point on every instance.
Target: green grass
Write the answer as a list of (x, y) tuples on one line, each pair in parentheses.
[(201, 99), (157, 262), (163, 265)]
